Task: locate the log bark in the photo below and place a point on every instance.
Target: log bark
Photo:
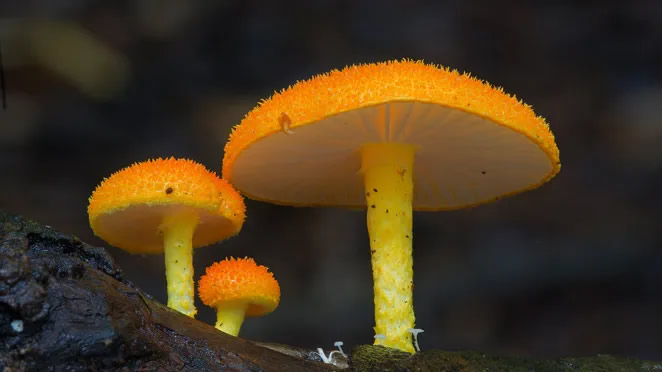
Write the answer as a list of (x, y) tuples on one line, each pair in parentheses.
[(65, 306)]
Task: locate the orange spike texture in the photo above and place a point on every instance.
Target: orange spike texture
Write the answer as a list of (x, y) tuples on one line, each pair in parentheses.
[(367, 85), (240, 279), (163, 182)]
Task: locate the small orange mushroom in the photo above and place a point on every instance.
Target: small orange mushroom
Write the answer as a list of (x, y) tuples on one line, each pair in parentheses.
[(237, 288), (171, 206)]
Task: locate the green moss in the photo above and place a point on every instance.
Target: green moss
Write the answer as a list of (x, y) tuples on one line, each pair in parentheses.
[(377, 358)]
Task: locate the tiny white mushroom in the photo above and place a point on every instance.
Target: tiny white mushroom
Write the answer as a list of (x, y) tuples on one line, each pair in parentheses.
[(325, 359), (339, 345), (415, 332), (17, 325), (329, 359)]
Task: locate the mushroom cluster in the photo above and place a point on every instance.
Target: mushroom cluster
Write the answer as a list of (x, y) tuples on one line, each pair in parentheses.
[(391, 138)]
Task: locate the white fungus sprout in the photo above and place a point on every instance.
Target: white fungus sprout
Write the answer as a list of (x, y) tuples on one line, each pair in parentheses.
[(415, 332)]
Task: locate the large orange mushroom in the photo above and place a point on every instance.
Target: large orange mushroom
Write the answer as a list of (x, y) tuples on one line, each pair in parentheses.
[(390, 137), (170, 206)]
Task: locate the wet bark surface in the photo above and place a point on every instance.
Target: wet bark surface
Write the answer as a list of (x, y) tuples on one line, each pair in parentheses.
[(65, 306)]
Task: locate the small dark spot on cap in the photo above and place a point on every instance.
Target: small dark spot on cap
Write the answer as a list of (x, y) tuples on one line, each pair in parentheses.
[(169, 190), (375, 190), (372, 251), (367, 193), (407, 236), (373, 206), (387, 211), (483, 172)]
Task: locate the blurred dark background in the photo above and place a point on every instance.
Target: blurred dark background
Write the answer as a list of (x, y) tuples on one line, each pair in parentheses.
[(572, 268)]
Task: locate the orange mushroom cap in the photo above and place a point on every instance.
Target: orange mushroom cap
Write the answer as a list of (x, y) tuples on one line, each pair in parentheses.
[(474, 143), (127, 208), (240, 280)]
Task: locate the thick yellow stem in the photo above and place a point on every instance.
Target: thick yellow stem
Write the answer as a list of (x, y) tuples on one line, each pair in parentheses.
[(177, 239), (387, 170), (230, 318)]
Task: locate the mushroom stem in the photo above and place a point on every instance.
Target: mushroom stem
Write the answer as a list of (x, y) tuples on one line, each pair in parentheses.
[(178, 232), (387, 170), (229, 318)]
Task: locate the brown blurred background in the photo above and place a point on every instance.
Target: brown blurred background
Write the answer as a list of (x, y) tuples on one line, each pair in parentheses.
[(572, 268)]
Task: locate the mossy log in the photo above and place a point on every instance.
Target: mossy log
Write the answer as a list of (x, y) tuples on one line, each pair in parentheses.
[(65, 306)]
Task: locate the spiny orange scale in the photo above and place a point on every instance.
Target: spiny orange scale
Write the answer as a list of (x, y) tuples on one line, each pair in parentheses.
[(166, 182), (371, 84), (238, 280)]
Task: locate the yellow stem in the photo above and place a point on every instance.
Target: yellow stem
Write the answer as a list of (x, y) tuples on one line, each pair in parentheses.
[(178, 232), (387, 170), (229, 318)]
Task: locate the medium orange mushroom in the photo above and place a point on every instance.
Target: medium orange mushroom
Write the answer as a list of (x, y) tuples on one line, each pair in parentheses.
[(237, 288), (171, 206), (391, 137)]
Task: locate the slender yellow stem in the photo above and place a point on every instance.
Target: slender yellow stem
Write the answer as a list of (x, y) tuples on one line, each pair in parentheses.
[(387, 170), (177, 240), (229, 318)]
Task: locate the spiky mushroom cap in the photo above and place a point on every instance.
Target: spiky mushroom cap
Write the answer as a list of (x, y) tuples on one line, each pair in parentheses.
[(240, 281), (127, 208), (474, 143)]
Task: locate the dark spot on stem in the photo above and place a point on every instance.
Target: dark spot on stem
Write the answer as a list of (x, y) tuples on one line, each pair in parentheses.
[(373, 251), (387, 211), (483, 172), (169, 190), (367, 193), (373, 206), (375, 190), (407, 236)]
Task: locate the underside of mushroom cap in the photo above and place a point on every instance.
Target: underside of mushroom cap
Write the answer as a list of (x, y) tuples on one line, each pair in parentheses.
[(128, 208), (474, 143)]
